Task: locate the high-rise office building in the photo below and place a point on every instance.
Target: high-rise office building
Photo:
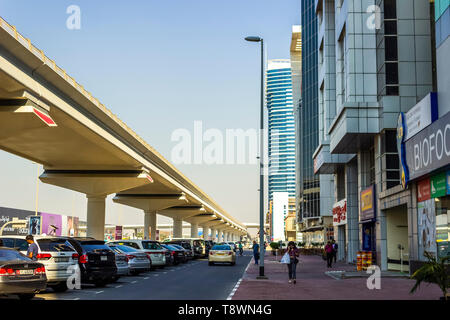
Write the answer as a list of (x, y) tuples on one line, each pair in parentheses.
[(281, 135)]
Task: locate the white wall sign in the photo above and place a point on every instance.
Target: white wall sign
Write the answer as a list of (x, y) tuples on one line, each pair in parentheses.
[(421, 115), (280, 210)]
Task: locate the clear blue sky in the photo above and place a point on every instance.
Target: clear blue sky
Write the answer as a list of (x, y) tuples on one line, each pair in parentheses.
[(158, 65)]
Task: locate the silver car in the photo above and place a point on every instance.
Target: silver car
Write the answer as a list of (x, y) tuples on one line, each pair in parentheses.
[(153, 248), (123, 268), (138, 260), (56, 254)]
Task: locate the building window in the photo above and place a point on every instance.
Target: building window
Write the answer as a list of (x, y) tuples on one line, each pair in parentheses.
[(390, 160)]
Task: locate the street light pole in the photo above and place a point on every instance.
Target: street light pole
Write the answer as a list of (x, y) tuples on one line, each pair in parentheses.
[(261, 164)]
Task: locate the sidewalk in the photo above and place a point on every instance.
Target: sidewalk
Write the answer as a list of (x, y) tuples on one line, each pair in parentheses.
[(314, 284)]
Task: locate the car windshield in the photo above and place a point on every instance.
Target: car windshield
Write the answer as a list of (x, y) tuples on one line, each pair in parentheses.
[(126, 248), (221, 247), (54, 245), (149, 245), (177, 246), (11, 255), (198, 243)]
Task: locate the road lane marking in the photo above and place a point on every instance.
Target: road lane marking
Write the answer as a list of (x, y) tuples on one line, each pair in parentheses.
[(230, 296), (99, 292), (119, 286), (156, 275), (145, 278), (133, 281)]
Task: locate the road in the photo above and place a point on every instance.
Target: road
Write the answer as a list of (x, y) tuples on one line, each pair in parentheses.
[(195, 280)]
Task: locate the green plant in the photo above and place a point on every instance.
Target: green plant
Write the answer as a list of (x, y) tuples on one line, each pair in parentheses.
[(301, 244), (274, 245), (433, 271)]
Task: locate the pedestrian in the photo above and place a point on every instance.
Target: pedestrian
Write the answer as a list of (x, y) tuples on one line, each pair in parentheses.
[(335, 249), (293, 253), (32, 247), (329, 254), (241, 249), (1, 243), (255, 251)]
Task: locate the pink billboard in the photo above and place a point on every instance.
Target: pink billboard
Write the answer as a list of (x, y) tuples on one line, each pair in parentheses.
[(51, 224)]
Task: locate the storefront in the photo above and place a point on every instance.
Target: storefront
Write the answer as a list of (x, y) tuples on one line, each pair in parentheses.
[(424, 150), (339, 224), (367, 220)]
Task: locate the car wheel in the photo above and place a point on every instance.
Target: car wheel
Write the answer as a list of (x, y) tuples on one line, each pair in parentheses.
[(60, 287), (26, 296)]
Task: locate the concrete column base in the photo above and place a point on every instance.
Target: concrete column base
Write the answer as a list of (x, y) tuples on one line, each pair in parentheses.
[(177, 228), (194, 230), (150, 225), (96, 216)]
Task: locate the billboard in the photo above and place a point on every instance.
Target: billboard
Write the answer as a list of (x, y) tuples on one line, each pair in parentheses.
[(10, 214), (367, 200), (34, 225), (72, 226), (51, 224), (340, 213), (279, 213)]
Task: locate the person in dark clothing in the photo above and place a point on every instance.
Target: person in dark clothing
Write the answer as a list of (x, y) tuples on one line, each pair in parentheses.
[(255, 252), (335, 250), (32, 247), (329, 254), (293, 253)]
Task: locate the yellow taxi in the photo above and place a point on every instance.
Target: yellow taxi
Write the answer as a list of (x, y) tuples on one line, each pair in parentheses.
[(221, 253)]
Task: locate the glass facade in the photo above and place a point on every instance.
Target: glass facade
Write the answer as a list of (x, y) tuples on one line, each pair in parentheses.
[(309, 183), (281, 128)]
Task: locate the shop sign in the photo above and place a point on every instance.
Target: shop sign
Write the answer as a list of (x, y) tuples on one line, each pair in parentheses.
[(429, 149), (423, 190), (318, 161), (340, 213), (439, 185), (118, 233), (421, 115), (367, 201)]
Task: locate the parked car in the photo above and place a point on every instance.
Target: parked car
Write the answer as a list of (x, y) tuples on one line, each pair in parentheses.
[(185, 245), (197, 244), (19, 275), (177, 254), (221, 253), (55, 253), (153, 248), (96, 260), (186, 251), (123, 268), (138, 260)]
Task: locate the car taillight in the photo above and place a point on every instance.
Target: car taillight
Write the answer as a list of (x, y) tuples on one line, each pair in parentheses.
[(126, 259), (230, 253), (6, 272), (172, 253), (211, 252), (39, 270), (75, 256), (83, 258), (130, 256), (43, 256)]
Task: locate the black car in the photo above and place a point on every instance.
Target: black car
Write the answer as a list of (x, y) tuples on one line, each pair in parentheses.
[(20, 275), (177, 254), (96, 260), (186, 246)]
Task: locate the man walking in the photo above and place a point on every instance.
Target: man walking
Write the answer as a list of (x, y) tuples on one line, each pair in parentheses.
[(335, 250), (255, 251), (329, 254), (32, 248)]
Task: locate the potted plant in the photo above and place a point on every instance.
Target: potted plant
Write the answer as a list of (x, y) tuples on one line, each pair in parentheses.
[(274, 246), (433, 271)]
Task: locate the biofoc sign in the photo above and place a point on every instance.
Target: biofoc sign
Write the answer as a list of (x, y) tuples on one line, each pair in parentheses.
[(367, 200), (340, 213), (429, 149)]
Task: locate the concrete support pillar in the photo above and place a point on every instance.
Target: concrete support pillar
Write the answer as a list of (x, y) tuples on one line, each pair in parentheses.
[(213, 234), (220, 236), (194, 230), (205, 232), (352, 227), (177, 228), (150, 224), (96, 216)]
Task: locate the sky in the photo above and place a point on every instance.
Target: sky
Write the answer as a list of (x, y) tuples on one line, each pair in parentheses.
[(159, 66)]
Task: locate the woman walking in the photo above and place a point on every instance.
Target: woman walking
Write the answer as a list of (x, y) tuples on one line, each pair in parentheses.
[(293, 253), (329, 253)]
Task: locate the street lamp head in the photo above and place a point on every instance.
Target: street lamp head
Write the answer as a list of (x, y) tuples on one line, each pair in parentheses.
[(253, 39)]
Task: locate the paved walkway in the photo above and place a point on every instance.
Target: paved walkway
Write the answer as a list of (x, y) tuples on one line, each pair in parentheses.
[(314, 284)]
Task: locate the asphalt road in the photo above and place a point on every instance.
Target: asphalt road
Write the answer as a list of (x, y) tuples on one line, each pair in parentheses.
[(194, 280)]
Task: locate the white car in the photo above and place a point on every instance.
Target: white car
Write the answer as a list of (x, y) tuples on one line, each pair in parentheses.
[(152, 248), (56, 254)]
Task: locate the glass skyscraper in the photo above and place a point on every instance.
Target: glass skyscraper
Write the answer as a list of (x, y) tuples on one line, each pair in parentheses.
[(281, 128), (309, 134)]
